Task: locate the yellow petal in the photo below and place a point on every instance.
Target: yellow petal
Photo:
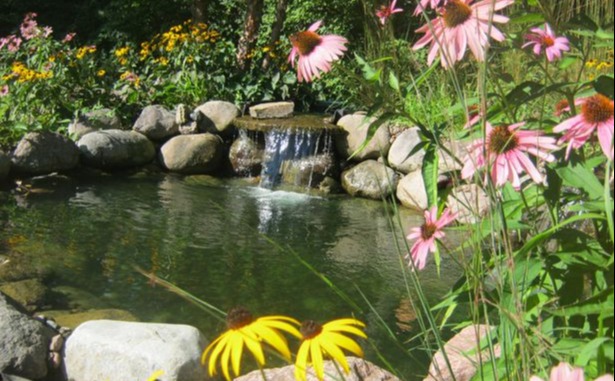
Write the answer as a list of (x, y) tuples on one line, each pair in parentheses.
[(226, 354), (302, 361), (256, 349), (284, 327), (336, 354), (209, 348), (280, 317), (222, 343), (344, 342), (155, 375), (236, 350), (275, 339), (335, 324), (317, 361), (346, 328)]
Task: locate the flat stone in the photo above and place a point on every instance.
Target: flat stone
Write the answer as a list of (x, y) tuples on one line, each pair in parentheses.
[(297, 122), (272, 110), (118, 351)]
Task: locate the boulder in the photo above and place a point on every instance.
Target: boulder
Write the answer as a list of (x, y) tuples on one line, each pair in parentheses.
[(24, 342), (464, 355), (360, 370), (30, 293), (5, 166), (272, 110), (44, 152), (217, 116), (470, 203), (356, 127), (94, 120), (200, 153), (308, 171), (118, 351), (113, 149), (369, 179), (411, 191), (402, 156), (157, 123), (246, 156)]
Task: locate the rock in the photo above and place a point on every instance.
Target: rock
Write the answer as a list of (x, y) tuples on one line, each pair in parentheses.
[(401, 154), (218, 115), (118, 351), (94, 120), (411, 191), (463, 355), (74, 319), (246, 156), (329, 185), (112, 149), (44, 152), (356, 127), (199, 153), (30, 293), (24, 342), (20, 266), (360, 370), (470, 203), (369, 179), (76, 298), (447, 163), (272, 110), (56, 344), (308, 171), (10, 377), (157, 123), (5, 166)]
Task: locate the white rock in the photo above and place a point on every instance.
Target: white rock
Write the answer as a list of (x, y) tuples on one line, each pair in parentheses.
[(272, 110), (218, 115), (470, 203), (356, 127), (411, 191), (399, 154), (119, 351)]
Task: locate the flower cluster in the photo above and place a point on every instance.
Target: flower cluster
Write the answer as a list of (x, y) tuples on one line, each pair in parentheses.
[(256, 334), (21, 73)]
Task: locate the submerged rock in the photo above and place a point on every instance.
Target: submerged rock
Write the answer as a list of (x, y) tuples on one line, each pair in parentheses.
[(44, 152), (73, 319), (30, 293), (113, 350)]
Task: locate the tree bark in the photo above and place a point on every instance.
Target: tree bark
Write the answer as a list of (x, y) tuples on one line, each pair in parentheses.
[(276, 28), (247, 41), (199, 11)]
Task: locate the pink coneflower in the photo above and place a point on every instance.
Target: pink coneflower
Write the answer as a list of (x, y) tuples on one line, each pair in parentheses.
[(13, 43), (473, 116), (69, 37), (547, 40), (564, 372), (386, 11), (504, 149), (426, 235), (424, 5), (28, 27), (4, 91), (596, 114), (315, 52), (462, 24)]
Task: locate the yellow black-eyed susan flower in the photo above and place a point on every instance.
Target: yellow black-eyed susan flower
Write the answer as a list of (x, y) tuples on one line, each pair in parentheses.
[(329, 340), (244, 330)]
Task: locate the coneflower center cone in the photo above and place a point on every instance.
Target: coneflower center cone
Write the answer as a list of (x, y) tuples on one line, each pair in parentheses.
[(427, 230), (238, 317), (597, 109), (305, 42), (456, 13), (502, 140), (548, 41), (310, 329)]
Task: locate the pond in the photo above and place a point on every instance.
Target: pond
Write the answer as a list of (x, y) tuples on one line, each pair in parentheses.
[(227, 242)]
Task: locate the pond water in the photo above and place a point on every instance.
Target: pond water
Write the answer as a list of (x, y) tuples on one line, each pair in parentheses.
[(214, 238)]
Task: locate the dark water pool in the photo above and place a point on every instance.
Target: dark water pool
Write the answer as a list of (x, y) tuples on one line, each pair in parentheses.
[(214, 239)]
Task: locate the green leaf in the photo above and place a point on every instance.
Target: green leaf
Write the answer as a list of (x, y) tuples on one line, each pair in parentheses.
[(567, 61), (528, 18), (604, 85), (393, 81), (430, 174), (604, 35), (590, 350), (578, 176)]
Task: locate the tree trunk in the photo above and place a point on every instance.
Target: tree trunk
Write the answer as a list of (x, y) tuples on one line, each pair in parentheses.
[(276, 28), (199, 11), (247, 41)]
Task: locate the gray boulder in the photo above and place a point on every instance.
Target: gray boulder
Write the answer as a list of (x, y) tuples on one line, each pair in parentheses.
[(113, 149), (356, 128), (94, 120), (272, 110), (360, 370), (217, 116), (400, 157), (308, 171), (464, 355), (246, 156), (411, 191), (157, 123), (44, 152), (369, 179), (200, 153), (5, 165), (117, 351), (24, 342), (470, 203)]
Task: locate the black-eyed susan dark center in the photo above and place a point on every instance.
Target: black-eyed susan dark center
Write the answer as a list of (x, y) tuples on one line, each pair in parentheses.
[(305, 42), (427, 230), (310, 329), (502, 140), (238, 317), (456, 13), (597, 109)]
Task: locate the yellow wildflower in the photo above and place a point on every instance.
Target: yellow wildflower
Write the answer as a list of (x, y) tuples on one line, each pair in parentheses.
[(101, 73)]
